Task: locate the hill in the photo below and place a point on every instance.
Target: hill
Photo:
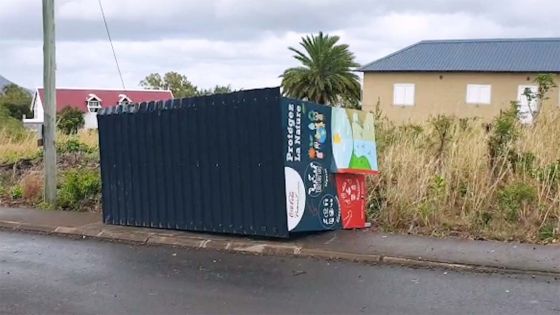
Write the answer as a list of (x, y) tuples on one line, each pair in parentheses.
[(4, 82)]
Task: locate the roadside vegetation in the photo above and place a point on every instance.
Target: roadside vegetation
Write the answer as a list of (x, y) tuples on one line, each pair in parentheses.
[(21, 171), (461, 177)]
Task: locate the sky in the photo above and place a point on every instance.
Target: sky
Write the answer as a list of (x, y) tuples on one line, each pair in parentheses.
[(243, 43)]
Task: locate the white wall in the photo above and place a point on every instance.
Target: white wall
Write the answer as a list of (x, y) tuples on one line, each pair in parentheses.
[(39, 113), (90, 121)]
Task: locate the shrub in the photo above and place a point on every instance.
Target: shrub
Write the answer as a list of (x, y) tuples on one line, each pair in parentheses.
[(513, 198), (550, 173), (72, 145), (416, 193), (547, 232), (3, 189), (523, 162), (503, 135), (32, 187), (11, 129), (70, 120), (441, 133), (78, 187), (16, 192)]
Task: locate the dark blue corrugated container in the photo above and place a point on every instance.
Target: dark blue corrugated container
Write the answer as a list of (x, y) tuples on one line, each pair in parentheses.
[(250, 162)]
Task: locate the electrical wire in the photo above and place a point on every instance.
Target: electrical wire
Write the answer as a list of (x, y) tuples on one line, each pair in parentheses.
[(111, 42)]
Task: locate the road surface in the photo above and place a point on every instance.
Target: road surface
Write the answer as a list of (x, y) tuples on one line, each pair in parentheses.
[(52, 275)]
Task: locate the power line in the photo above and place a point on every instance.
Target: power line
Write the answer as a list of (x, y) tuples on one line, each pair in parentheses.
[(111, 42)]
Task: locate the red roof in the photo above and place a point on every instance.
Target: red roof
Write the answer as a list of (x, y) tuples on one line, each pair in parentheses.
[(77, 98)]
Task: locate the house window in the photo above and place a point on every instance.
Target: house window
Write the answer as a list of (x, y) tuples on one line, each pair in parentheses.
[(479, 93), (93, 103), (93, 106), (403, 94), (124, 100)]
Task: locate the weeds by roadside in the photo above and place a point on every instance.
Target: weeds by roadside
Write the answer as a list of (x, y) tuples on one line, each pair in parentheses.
[(21, 179), (454, 176)]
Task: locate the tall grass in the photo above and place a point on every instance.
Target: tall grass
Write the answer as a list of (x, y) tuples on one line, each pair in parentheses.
[(14, 148), (24, 145), (455, 176)]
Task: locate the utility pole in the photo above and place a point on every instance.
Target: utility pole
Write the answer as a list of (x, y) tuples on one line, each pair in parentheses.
[(49, 105)]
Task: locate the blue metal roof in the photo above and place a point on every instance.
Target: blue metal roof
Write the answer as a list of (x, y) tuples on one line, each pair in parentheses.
[(480, 55)]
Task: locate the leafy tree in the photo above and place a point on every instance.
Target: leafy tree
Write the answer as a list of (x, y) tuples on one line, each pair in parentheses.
[(176, 82), (218, 89), (70, 120), (16, 100), (10, 126), (325, 75)]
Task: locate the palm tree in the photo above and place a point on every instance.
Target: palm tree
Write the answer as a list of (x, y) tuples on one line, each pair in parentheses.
[(325, 75)]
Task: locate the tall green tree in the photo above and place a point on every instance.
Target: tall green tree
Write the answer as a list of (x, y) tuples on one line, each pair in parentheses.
[(325, 75), (16, 100), (176, 82), (218, 89), (70, 120)]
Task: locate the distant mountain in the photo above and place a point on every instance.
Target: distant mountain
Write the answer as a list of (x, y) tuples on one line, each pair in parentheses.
[(4, 82)]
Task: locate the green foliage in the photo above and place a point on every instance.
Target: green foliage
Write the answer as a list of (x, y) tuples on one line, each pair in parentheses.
[(441, 126), (524, 162), (73, 146), (550, 173), (77, 188), (16, 192), (486, 218), (70, 120), (547, 232), (429, 207), (325, 75), (179, 84), (514, 197), (504, 133), (218, 89), (412, 131), (3, 186), (545, 82), (438, 185), (9, 126), (16, 100)]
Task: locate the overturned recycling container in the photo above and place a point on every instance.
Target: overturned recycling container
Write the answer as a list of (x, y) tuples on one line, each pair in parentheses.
[(250, 162)]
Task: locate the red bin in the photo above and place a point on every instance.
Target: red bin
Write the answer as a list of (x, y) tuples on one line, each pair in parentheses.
[(351, 190)]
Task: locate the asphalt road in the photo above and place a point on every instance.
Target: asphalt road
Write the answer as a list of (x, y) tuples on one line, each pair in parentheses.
[(52, 275)]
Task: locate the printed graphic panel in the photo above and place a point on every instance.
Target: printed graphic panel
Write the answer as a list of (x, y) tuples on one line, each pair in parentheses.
[(353, 142), (308, 153)]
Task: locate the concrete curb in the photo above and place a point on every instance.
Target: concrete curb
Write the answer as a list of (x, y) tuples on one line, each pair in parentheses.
[(248, 246)]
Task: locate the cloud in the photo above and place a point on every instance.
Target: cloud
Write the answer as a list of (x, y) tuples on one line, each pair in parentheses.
[(243, 43)]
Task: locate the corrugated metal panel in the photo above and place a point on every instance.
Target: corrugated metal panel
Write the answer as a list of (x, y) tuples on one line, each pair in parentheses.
[(209, 163), (486, 55)]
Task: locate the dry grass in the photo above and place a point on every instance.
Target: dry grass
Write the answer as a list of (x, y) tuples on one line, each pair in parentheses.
[(21, 180), (32, 187), (13, 149), (25, 146), (428, 189)]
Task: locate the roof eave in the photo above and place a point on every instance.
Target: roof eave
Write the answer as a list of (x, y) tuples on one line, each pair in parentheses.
[(465, 71)]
